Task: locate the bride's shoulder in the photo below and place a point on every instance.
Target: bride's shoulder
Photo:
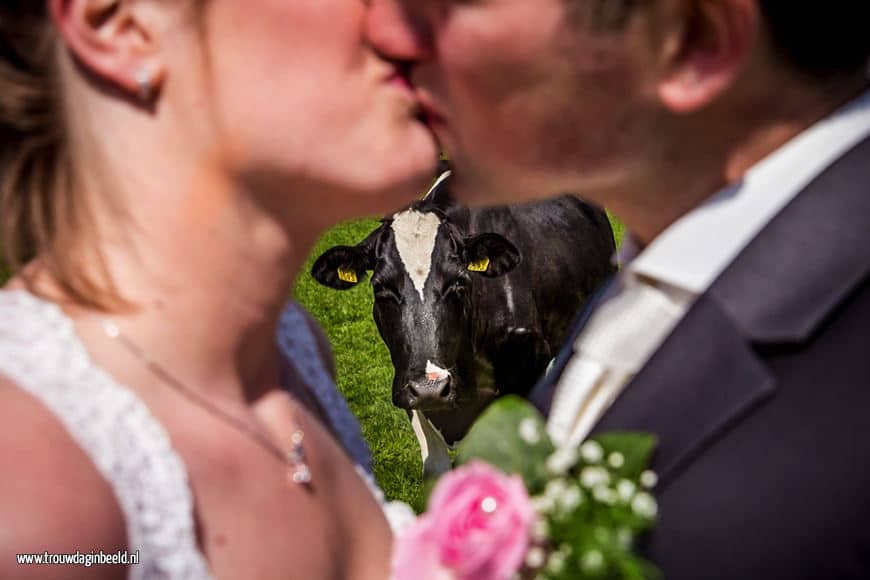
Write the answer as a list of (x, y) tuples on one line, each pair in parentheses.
[(52, 498)]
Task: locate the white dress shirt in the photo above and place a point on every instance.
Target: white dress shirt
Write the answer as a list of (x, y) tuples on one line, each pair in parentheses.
[(656, 288)]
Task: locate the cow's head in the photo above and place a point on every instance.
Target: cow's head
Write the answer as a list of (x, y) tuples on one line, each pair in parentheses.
[(423, 271)]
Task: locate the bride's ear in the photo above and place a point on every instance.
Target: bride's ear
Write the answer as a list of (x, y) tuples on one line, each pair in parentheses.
[(115, 41)]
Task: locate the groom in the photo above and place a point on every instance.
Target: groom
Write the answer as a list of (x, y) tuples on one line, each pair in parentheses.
[(731, 137)]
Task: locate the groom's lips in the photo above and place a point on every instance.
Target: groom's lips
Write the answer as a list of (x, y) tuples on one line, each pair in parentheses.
[(399, 79), (431, 113)]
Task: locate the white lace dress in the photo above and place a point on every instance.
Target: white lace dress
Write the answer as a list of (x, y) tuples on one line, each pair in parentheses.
[(41, 353)]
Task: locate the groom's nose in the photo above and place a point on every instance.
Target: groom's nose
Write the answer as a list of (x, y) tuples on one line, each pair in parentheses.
[(399, 29)]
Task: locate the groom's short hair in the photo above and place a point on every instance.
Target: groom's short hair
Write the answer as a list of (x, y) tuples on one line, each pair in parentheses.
[(817, 39)]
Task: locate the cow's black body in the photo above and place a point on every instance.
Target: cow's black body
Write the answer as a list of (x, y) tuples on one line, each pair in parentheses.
[(519, 320), (487, 333)]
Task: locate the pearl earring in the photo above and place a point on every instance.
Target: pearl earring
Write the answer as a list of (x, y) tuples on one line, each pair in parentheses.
[(143, 80)]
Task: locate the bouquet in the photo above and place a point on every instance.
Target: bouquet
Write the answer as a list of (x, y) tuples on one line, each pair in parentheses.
[(516, 507)]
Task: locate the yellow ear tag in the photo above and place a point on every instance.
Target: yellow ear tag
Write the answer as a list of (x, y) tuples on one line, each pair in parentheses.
[(347, 275), (479, 266)]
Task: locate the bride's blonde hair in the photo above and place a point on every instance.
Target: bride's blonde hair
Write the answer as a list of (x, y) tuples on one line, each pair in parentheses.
[(40, 213)]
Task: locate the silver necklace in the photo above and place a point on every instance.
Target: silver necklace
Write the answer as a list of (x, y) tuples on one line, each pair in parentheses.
[(298, 470)]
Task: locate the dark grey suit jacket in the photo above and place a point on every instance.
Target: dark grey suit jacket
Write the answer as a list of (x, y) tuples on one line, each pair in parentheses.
[(761, 401)]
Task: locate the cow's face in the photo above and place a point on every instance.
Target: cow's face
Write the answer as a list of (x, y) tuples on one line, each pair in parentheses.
[(423, 269)]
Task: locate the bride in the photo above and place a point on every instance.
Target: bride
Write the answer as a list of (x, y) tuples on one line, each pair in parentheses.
[(165, 167)]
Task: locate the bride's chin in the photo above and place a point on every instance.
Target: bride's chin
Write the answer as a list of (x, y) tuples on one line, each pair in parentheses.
[(417, 133), (413, 179), (409, 168)]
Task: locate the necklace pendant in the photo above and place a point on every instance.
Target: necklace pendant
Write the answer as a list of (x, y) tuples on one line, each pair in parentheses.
[(300, 473)]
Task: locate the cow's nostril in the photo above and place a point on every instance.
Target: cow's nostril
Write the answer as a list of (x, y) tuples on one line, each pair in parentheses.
[(429, 394)]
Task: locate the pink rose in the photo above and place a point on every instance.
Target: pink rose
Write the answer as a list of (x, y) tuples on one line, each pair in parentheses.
[(477, 527)]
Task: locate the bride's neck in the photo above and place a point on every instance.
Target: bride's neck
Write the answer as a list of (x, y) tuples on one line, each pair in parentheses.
[(209, 274)]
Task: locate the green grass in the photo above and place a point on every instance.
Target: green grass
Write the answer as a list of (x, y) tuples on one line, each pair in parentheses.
[(364, 370)]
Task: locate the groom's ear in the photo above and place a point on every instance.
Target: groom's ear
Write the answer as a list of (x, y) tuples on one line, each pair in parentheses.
[(704, 50)]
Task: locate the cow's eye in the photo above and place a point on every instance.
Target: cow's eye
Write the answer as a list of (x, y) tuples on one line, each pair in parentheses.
[(382, 293), (457, 289)]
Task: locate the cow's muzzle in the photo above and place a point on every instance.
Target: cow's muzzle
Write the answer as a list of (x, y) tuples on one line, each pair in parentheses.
[(430, 395)]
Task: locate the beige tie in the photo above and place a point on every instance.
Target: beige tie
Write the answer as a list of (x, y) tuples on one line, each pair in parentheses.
[(621, 336)]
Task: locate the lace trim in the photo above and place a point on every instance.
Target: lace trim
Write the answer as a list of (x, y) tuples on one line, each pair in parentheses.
[(41, 353), (299, 348)]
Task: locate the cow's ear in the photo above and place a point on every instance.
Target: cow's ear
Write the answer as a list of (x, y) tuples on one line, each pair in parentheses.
[(490, 255), (341, 267)]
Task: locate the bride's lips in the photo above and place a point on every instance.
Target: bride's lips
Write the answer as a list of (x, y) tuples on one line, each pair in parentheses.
[(398, 76), (427, 111), (400, 80), (431, 112)]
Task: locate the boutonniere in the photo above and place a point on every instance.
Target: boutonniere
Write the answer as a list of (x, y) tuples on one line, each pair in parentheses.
[(518, 507)]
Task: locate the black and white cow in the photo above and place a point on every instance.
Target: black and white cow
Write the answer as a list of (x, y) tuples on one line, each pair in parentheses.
[(472, 303)]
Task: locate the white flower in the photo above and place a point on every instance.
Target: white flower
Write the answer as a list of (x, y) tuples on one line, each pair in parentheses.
[(529, 431), (644, 505), (400, 516), (556, 561), (625, 538), (543, 504), (540, 530), (561, 460), (571, 498), (591, 452), (604, 495), (616, 460), (536, 557), (649, 479), (555, 489), (594, 476), (626, 490), (592, 562)]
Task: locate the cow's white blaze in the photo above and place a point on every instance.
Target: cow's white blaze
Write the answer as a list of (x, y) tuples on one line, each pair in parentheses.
[(415, 234), (435, 373), (433, 448)]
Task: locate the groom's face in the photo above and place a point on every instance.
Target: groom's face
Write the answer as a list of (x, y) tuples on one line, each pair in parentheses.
[(528, 98)]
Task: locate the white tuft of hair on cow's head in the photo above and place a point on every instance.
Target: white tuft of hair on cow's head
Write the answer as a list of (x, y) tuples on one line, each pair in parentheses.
[(441, 179), (415, 233)]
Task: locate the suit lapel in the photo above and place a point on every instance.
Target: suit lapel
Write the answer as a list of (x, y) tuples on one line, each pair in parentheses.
[(780, 290), (688, 395)]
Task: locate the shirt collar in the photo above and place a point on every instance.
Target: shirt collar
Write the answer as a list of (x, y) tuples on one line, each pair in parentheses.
[(695, 249)]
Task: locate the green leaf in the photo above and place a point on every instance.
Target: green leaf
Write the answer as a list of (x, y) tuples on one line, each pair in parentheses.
[(636, 448), (495, 438)]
